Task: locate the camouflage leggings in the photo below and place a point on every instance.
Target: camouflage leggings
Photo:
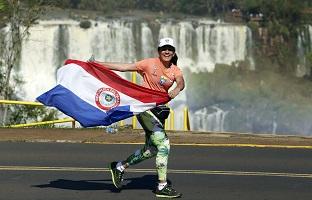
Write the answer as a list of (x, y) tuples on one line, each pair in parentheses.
[(156, 144)]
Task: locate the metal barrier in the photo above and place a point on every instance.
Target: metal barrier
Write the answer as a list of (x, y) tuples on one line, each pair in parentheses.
[(169, 121), (45, 123), (36, 123), (21, 102)]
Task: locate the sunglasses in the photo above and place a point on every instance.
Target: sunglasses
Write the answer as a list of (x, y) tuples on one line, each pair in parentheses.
[(167, 47)]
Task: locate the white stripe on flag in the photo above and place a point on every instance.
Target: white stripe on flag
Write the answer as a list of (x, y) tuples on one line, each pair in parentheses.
[(85, 87)]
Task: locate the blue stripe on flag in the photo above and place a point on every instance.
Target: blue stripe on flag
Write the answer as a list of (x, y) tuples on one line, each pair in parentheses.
[(86, 114)]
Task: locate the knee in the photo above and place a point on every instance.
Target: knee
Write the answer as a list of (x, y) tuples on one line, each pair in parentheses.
[(150, 152), (162, 155), (164, 147)]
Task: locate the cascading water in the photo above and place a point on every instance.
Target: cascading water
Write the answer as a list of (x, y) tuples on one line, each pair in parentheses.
[(38, 60), (200, 46), (203, 120), (304, 45)]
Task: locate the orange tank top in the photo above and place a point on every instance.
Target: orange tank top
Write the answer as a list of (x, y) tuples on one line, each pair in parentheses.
[(155, 75)]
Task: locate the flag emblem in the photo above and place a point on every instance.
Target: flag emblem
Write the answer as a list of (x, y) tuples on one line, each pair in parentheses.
[(107, 98)]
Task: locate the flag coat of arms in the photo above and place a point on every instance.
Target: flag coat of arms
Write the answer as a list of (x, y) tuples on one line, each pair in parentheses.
[(94, 95)]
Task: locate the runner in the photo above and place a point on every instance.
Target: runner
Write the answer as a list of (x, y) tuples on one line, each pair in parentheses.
[(158, 73)]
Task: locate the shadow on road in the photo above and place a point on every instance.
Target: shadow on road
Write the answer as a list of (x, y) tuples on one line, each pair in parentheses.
[(147, 182)]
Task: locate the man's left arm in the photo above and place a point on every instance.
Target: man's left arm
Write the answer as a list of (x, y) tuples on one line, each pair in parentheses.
[(179, 87)]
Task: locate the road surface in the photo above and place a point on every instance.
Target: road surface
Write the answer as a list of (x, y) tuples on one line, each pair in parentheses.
[(79, 171)]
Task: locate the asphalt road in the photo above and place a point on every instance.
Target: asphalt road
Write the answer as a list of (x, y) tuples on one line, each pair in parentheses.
[(79, 171)]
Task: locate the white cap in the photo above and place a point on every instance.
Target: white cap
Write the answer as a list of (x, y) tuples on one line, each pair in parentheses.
[(166, 41)]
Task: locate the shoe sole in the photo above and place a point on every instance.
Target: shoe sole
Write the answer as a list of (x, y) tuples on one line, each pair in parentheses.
[(165, 196), (113, 177)]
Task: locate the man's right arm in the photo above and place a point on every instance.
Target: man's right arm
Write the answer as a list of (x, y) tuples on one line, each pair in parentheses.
[(122, 67)]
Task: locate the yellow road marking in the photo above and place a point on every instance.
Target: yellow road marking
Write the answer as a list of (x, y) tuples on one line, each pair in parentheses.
[(173, 171), (218, 145)]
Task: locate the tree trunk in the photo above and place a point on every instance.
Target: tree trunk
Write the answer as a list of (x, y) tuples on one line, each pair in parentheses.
[(21, 18), (13, 51)]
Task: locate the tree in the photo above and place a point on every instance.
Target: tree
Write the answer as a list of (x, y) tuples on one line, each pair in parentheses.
[(309, 61), (19, 16), (1, 5)]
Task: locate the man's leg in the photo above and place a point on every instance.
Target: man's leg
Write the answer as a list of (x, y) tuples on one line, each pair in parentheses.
[(158, 138), (117, 168), (148, 123), (156, 142), (161, 141)]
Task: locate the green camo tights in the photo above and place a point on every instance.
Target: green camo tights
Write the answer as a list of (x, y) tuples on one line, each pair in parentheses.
[(156, 144)]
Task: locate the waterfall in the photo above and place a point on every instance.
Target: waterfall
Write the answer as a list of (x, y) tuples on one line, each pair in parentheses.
[(201, 44), (304, 46), (250, 51), (38, 61), (201, 48), (203, 120), (147, 42)]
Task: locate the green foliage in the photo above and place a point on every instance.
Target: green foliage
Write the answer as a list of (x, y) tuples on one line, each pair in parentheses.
[(95, 5), (282, 19), (2, 5), (309, 63), (103, 5), (21, 114), (198, 7), (85, 24), (288, 10), (195, 7), (309, 57)]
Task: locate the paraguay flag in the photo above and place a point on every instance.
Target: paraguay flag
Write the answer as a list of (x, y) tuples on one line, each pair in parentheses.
[(94, 95)]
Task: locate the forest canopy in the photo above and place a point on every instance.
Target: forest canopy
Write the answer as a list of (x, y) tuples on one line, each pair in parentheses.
[(194, 7)]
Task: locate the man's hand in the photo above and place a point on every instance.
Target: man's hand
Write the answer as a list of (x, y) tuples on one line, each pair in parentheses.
[(91, 59), (180, 86), (173, 93)]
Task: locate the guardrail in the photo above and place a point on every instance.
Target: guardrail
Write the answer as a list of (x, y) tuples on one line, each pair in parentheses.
[(28, 103), (169, 124)]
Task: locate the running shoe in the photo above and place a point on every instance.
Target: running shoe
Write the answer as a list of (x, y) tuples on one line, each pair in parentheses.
[(167, 192), (116, 175)]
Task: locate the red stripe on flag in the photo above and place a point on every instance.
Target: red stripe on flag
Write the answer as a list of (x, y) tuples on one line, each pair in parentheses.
[(112, 79)]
